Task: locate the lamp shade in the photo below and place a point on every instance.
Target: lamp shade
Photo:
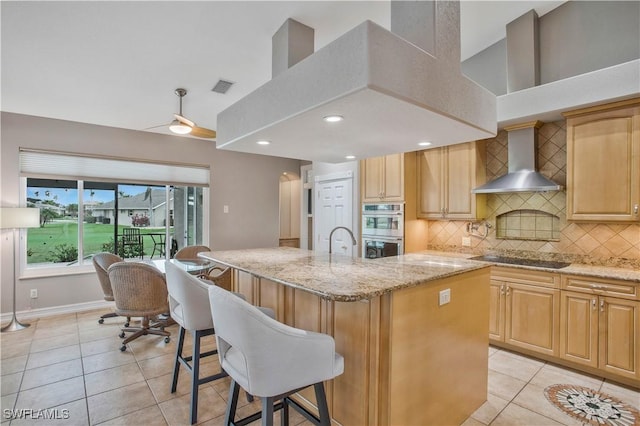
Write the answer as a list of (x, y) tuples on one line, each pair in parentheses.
[(19, 217)]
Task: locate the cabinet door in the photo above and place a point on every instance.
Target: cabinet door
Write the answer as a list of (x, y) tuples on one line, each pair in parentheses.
[(431, 185), (532, 315), (620, 336), (460, 179), (603, 166), (372, 176), (579, 328), (393, 177), (496, 310)]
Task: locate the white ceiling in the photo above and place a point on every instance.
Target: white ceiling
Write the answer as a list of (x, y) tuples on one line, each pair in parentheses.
[(117, 63)]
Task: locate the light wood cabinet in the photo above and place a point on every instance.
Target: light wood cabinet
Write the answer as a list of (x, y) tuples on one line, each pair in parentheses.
[(525, 309), (446, 176), (603, 163), (599, 330), (382, 178)]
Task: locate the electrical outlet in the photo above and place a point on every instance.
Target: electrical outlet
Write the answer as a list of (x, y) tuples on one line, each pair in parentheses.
[(466, 241), (34, 293), (444, 296), (225, 209)]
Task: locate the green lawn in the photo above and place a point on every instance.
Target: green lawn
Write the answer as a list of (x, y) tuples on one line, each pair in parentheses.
[(42, 241)]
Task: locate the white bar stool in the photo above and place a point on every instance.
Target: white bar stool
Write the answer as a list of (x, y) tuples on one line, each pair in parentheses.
[(270, 360)]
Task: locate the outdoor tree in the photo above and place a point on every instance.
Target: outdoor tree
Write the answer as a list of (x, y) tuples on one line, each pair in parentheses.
[(46, 215)]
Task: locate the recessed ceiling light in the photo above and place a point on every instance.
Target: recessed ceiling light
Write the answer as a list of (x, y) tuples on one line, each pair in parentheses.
[(424, 143), (263, 142), (349, 157), (333, 118)]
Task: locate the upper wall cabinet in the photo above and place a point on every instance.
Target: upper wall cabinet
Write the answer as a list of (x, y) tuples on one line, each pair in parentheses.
[(446, 176), (383, 178), (603, 163)]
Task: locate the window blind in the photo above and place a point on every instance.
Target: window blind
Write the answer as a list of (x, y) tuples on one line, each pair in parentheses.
[(51, 165)]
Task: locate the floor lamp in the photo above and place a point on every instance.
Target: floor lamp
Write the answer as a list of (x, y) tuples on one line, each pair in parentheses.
[(16, 218)]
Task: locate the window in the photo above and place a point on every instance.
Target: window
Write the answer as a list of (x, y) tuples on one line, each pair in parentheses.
[(80, 218)]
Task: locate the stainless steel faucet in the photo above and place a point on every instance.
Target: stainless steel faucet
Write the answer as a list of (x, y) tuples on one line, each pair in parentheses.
[(353, 239)]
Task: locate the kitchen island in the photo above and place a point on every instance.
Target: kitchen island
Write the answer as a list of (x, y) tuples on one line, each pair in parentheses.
[(409, 360)]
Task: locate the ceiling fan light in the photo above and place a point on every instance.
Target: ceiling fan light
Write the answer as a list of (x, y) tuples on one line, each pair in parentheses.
[(179, 128)]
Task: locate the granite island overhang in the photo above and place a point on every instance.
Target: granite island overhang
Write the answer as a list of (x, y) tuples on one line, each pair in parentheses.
[(409, 359)]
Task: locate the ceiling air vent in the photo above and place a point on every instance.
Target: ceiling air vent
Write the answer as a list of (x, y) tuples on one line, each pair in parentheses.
[(222, 86)]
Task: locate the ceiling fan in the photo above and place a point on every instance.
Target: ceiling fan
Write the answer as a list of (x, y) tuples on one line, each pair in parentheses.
[(183, 126)]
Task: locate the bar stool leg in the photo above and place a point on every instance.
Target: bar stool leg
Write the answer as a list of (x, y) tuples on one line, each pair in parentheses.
[(176, 365), (267, 411), (230, 414), (195, 375), (323, 409)]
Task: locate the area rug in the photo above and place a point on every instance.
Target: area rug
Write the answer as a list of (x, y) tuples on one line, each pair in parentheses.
[(593, 407)]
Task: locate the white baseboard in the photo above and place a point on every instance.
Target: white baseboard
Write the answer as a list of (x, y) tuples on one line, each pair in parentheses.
[(57, 310)]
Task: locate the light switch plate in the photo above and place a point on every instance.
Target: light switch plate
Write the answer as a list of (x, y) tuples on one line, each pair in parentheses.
[(444, 296), (466, 241)]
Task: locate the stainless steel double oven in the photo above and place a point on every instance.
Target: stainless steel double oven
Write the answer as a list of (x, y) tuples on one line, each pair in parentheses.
[(382, 230)]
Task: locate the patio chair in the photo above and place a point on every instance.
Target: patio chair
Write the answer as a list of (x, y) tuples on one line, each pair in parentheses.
[(131, 237)]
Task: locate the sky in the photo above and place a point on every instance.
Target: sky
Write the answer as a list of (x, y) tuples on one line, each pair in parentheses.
[(70, 196)]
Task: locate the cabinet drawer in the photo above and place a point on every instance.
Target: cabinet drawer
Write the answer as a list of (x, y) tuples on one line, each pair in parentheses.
[(618, 288), (525, 276)]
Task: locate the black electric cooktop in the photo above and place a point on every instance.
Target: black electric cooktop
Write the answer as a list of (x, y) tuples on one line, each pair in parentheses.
[(526, 262)]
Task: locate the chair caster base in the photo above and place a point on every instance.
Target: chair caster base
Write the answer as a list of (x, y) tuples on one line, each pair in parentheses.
[(123, 348), (167, 339), (121, 335), (126, 324), (101, 321)]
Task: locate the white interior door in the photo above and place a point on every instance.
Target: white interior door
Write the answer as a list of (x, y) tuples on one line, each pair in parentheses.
[(334, 207)]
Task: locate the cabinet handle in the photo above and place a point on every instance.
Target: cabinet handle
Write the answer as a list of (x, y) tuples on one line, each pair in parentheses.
[(502, 289), (635, 210), (508, 290), (593, 304), (442, 211), (601, 305)]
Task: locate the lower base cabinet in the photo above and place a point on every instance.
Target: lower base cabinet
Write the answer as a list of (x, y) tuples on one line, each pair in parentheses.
[(601, 332), (525, 309)]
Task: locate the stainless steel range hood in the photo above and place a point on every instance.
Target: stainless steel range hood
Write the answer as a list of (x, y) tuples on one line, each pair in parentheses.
[(394, 89), (522, 175)]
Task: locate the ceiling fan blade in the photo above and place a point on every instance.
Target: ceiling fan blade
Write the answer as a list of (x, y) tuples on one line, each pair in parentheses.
[(202, 132), (155, 127), (184, 120)]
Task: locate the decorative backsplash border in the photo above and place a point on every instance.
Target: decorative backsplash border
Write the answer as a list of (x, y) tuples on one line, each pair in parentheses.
[(604, 244)]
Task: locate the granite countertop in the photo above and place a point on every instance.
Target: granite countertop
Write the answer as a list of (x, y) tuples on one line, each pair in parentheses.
[(342, 278), (608, 272)]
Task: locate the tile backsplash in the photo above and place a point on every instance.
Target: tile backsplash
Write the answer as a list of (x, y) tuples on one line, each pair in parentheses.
[(528, 224)]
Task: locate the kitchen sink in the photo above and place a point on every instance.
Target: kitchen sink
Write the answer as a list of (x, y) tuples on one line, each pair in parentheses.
[(526, 262)]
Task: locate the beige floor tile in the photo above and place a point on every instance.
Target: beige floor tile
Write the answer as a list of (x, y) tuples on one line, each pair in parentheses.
[(161, 386), (101, 333), (552, 374), (106, 360), (71, 414), (150, 416), (12, 349), (10, 383), (222, 387), (473, 422), (490, 409), (504, 386), (6, 403), (7, 339), (532, 398), (515, 415), (158, 366), (94, 313), (493, 350), (517, 366), (51, 395), (150, 348), (98, 346), (53, 356), (112, 378), (49, 332), (51, 373), (119, 402), (13, 365), (57, 321), (625, 394), (210, 405), (40, 345)]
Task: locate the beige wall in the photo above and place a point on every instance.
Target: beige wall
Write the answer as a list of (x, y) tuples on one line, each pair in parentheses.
[(598, 243), (247, 183)]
